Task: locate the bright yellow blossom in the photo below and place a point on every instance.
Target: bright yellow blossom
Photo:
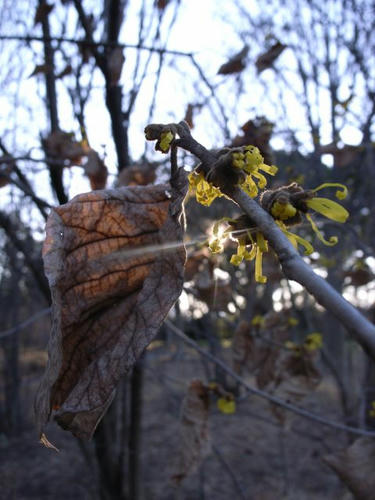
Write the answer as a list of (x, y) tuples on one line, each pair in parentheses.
[(204, 191)]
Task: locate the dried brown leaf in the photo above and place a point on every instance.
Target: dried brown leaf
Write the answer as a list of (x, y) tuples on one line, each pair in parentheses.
[(5, 171), (355, 467), (66, 71), (243, 347), (194, 439), (40, 68), (267, 372), (189, 115), (115, 63), (95, 170), (258, 133), (161, 4), (267, 59), (235, 64), (63, 145), (137, 175), (343, 156), (114, 260), (43, 10)]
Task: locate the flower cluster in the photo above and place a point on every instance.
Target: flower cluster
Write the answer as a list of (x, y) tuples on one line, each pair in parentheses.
[(245, 165), (250, 243), (288, 204), (205, 192), (251, 162), (313, 342)]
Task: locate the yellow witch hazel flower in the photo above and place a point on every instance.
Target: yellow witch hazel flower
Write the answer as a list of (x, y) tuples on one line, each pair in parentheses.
[(244, 165), (251, 161), (313, 342), (248, 248), (205, 192), (286, 205)]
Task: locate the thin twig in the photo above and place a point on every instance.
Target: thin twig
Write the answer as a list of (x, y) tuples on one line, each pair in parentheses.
[(91, 43), (269, 397), (24, 324), (232, 475)]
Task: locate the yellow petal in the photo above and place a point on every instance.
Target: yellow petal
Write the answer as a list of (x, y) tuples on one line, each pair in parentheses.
[(270, 169), (328, 208), (165, 141), (216, 246), (340, 194), (262, 181), (226, 405), (261, 242), (250, 255), (249, 186), (296, 240), (332, 240), (259, 278), (313, 341), (283, 211), (257, 320)]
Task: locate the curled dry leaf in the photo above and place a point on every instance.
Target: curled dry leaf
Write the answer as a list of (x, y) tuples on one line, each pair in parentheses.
[(137, 175), (236, 63), (343, 156), (114, 261), (43, 10), (243, 346), (267, 59), (258, 133), (68, 70), (215, 292), (63, 145), (355, 467), (40, 68), (5, 171), (115, 63), (95, 170), (194, 438)]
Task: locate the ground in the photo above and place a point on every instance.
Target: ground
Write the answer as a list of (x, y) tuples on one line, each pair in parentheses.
[(250, 455)]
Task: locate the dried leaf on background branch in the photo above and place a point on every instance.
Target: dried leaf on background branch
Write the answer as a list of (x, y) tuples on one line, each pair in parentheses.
[(242, 346), (236, 64), (257, 132), (63, 145), (40, 68), (5, 171), (66, 71), (137, 175), (343, 156), (43, 10), (161, 4), (194, 438), (114, 260), (355, 467), (95, 170), (215, 292), (266, 59), (115, 63), (189, 115)]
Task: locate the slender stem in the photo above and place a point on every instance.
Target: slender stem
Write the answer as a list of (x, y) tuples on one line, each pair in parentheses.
[(269, 397), (91, 43)]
